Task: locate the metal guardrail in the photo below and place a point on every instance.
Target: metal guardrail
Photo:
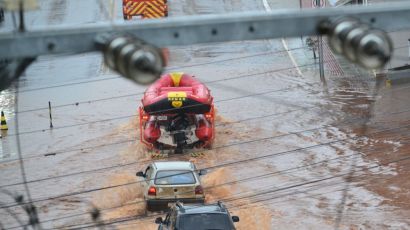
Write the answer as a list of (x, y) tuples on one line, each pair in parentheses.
[(200, 29), (352, 35)]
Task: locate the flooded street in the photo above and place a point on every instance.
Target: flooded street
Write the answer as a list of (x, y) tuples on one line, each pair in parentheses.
[(290, 152)]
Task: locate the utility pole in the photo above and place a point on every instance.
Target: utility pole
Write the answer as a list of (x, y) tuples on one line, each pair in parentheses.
[(22, 27), (409, 47), (320, 50), (321, 65)]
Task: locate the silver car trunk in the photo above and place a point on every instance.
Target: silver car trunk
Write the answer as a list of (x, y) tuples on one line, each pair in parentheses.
[(175, 184)]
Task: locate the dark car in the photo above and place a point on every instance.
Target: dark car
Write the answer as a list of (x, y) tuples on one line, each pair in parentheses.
[(198, 217)]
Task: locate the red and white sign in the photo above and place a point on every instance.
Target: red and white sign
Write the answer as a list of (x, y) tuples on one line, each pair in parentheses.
[(322, 4)]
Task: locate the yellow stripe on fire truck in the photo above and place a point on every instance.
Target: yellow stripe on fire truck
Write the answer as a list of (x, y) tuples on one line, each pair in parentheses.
[(159, 5), (129, 6), (138, 9), (155, 7), (147, 9), (154, 10), (150, 13)]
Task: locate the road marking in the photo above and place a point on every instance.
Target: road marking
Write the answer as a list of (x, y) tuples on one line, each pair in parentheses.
[(112, 10), (291, 57), (266, 5), (284, 43)]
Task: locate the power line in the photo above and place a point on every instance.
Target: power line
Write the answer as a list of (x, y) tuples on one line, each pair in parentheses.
[(313, 188), (17, 133), (168, 69), (260, 203), (126, 219), (68, 84), (320, 186), (309, 183), (143, 216), (218, 147), (131, 140), (13, 215), (176, 68), (20, 157), (259, 193), (227, 183), (263, 202), (141, 93), (71, 126), (20, 153), (57, 152), (345, 193), (28, 206), (128, 116), (217, 166), (17, 129)]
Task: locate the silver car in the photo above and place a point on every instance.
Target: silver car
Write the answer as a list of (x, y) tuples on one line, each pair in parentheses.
[(171, 181)]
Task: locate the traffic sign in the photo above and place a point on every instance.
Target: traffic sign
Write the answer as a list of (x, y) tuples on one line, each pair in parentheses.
[(322, 4)]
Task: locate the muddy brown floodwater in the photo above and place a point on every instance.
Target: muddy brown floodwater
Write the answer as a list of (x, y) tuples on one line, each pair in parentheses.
[(129, 199), (392, 146), (290, 152)]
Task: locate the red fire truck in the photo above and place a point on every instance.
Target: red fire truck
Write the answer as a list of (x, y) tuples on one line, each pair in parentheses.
[(144, 9)]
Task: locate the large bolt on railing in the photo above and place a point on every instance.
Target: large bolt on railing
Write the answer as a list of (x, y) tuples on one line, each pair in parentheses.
[(132, 58), (358, 42)]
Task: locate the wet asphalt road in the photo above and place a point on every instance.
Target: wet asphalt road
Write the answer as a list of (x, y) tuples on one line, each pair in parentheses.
[(289, 149)]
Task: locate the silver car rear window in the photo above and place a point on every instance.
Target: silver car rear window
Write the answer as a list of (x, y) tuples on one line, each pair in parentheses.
[(174, 177)]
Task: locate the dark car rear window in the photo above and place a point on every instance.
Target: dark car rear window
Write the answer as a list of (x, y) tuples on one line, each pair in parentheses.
[(174, 177), (205, 221)]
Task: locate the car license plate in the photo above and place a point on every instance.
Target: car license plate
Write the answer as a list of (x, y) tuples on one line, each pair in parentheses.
[(162, 118)]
